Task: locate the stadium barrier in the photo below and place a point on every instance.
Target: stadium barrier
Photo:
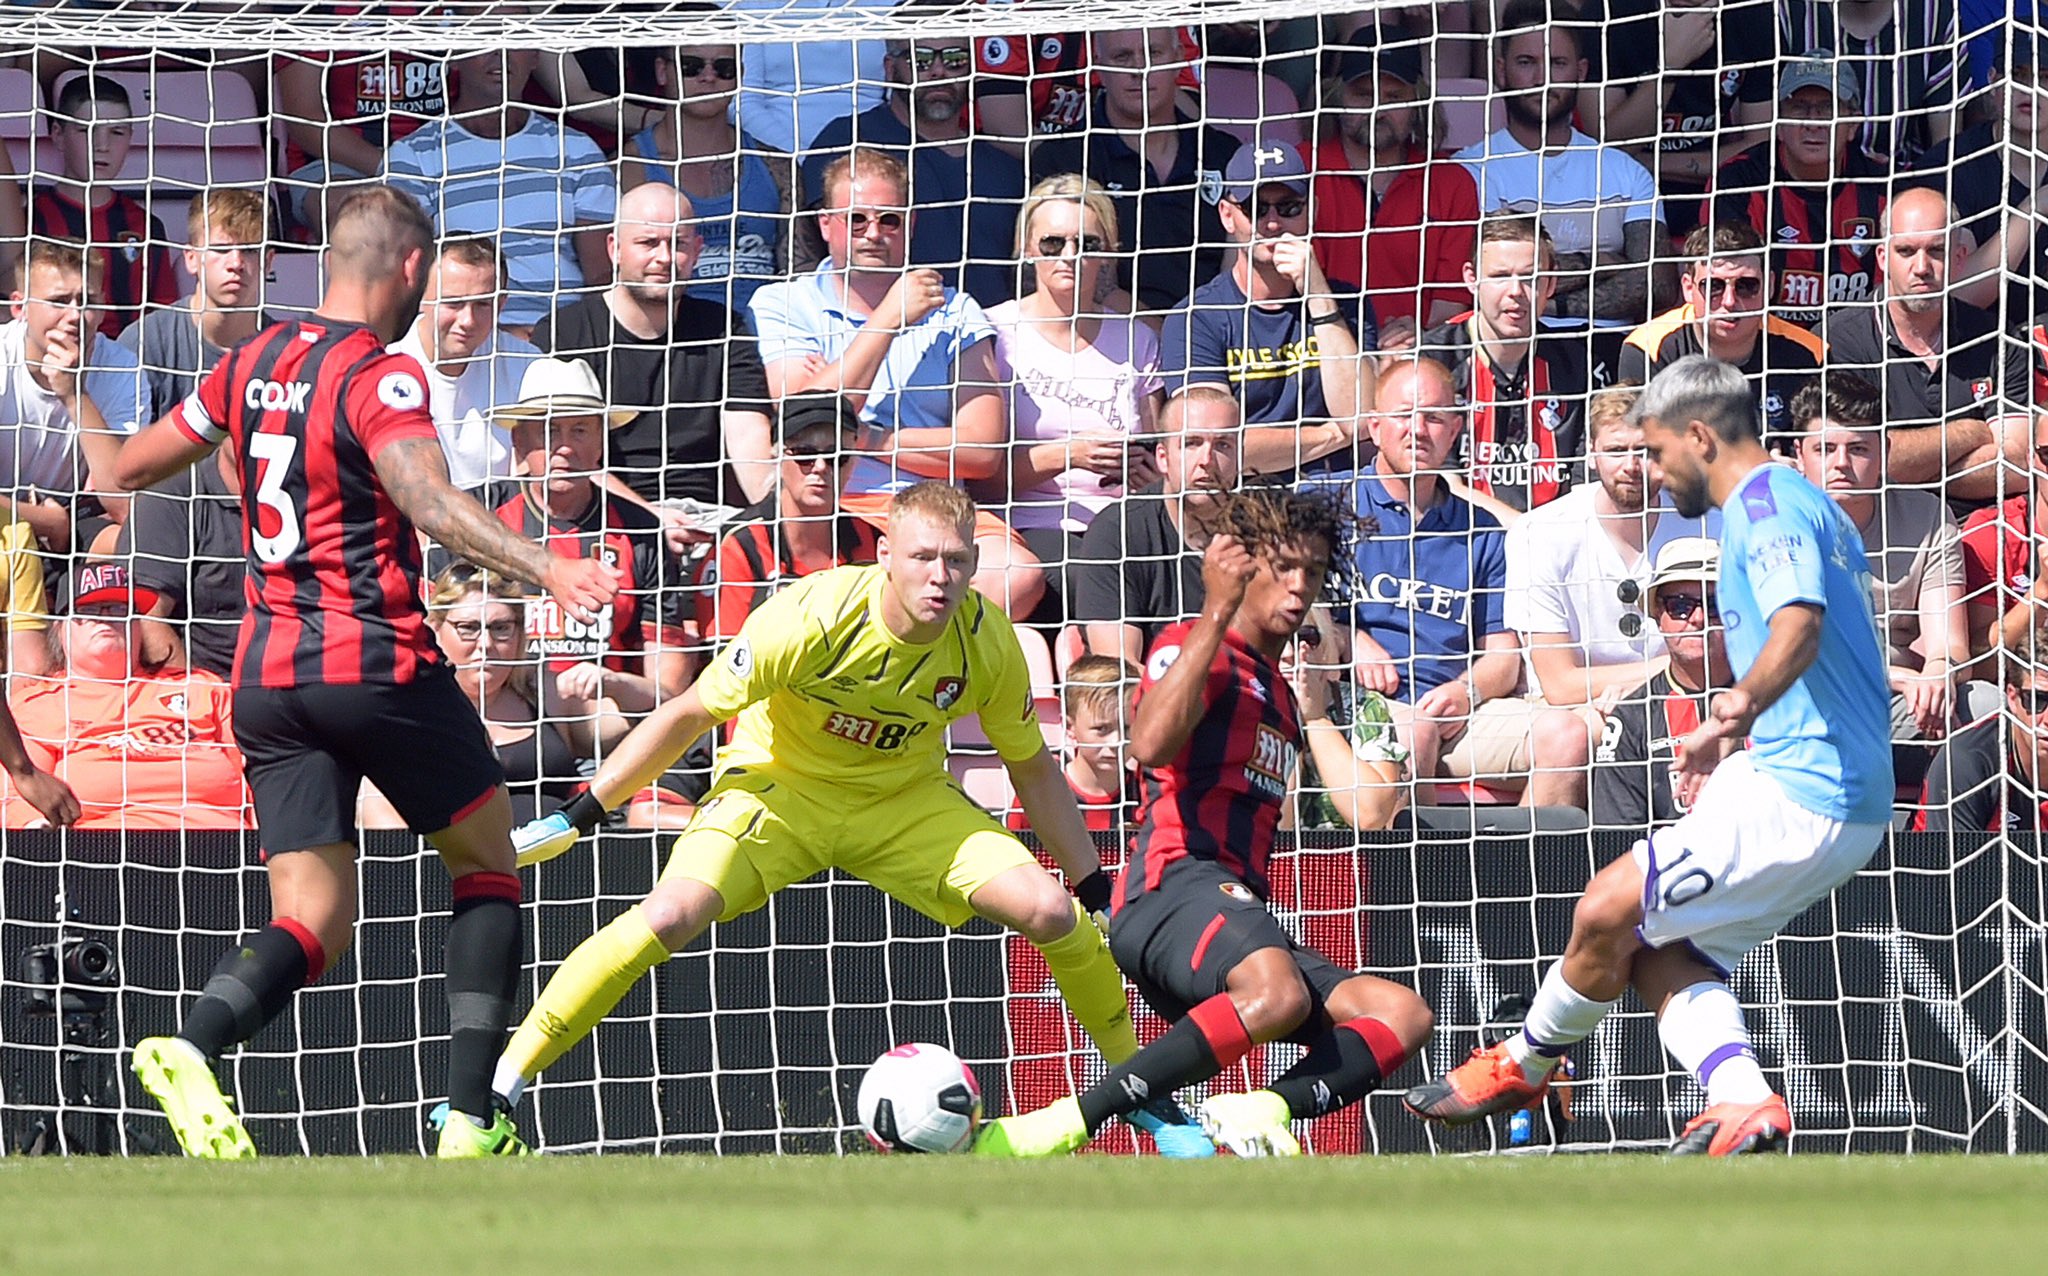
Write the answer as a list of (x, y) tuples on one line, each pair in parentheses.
[(1906, 1013)]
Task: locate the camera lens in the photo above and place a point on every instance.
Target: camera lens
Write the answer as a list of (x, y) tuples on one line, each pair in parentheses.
[(90, 961)]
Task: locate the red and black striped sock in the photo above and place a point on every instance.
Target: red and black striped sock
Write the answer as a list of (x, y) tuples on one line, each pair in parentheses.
[(252, 984), (483, 969), (1207, 1041), (1344, 1065)]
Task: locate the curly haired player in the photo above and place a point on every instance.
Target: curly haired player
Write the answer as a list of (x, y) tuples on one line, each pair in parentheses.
[(1218, 730)]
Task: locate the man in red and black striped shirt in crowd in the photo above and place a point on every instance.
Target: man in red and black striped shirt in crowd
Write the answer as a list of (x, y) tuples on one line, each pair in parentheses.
[(799, 529), (1219, 733), (93, 131), (1526, 387), (337, 678), (1813, 195), (607, 673)]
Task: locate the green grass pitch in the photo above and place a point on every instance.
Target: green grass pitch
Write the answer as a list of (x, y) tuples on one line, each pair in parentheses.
[(1091, 1216)]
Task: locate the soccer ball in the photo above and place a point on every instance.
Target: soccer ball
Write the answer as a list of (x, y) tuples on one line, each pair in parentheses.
[(920, 1098)]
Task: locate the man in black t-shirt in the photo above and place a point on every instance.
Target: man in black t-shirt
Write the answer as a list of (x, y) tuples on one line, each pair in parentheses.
[(1954, 394), (1631, 779), (689, 365), (1139, 568)]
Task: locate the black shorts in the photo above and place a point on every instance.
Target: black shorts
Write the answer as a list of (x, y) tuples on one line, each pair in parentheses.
[(307, 751), (1179, 942)]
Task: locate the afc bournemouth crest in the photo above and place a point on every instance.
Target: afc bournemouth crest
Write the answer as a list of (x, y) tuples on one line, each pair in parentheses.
[(947, 693), (1237, 891), (1861, 232)]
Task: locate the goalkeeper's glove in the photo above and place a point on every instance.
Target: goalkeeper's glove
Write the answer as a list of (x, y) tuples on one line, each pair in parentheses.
[(1093, 892), (540, 840)]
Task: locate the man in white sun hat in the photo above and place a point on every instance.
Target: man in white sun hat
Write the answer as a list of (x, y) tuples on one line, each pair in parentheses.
[(602, 675)]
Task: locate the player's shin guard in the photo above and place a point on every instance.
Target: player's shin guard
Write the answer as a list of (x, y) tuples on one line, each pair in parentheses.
[(252, 984), (483, 969), (1092, 987), (1347, 1063), (583, 991), (1208, 1040)]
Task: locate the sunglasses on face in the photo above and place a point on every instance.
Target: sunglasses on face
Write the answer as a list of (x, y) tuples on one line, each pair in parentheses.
[(806, 457), (1284, 209), (2033, 700), (691, 66), (1747, 288), (857, 221), (1059, 245), (1681, 607), (954, 57), (499, 630)]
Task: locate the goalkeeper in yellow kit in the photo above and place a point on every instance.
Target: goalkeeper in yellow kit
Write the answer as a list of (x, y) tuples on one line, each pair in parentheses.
[(843, 684)]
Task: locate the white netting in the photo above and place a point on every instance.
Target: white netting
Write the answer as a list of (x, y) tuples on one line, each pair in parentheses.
[(1907, 1012)]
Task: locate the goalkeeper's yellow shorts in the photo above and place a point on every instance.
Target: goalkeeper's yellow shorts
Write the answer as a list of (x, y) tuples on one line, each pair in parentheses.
[(758, 831)]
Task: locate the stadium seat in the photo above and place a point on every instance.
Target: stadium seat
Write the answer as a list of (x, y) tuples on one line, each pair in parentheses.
[(1469, 112), (1038, 659), (986, 780), (21, 109), (294, 282), (1071, 645), (194, 130), (1475, 793), (1242, 102)]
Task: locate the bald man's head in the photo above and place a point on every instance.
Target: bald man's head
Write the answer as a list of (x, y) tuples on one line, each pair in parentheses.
[(654, 244), (1914, 253), (1395, 387)]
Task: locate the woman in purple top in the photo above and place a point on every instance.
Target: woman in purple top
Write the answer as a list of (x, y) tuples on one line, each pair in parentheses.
[(1082, 384)]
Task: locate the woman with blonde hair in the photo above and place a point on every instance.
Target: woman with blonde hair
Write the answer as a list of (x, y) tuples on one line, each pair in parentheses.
[(479, 618), (1081, 382)]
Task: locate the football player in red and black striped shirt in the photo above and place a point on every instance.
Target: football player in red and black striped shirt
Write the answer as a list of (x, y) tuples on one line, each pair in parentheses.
[(337, 678), (1219, 733)]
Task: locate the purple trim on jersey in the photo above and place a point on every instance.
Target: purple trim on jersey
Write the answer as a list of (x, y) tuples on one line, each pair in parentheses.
[(1758, 501), (1733, 1050)]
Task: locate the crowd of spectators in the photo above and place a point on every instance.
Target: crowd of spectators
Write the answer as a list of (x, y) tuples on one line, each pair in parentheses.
[(700, 309)]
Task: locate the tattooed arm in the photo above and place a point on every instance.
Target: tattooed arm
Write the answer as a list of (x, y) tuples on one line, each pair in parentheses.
[(415, 474)]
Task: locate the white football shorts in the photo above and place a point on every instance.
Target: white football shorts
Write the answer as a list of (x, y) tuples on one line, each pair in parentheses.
[(1743, 862)]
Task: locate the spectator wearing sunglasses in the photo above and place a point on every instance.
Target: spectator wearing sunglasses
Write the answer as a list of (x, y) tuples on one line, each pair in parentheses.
[(738, 190), (1163, 165), (799, 529), (1994, 775), (1916, 565), (1270, 327), (1630, 780), (1082, 387), (916, 356), (963, 231), (1725, 315)]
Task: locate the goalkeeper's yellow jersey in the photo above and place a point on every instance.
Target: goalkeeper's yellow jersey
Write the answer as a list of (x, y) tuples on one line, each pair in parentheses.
[(825, 693)]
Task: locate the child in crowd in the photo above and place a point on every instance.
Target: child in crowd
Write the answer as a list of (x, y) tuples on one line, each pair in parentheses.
[(1096, 703)]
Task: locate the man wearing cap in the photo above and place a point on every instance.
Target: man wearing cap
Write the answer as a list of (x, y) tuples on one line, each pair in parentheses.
[(143, 748), (799, 530), (1631, 775), (1598, 203), (1385, 211), (608, 672), (472, 368), (1814, 197), (1162, 167), (1954, 395), (1919, 66), (1270, 327)]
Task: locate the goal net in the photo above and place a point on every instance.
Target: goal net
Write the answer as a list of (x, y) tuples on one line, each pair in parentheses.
[(1906, 1012)]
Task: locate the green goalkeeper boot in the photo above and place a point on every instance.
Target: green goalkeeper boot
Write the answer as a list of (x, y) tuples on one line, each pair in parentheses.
[(181, 1081), (1051, 1131)]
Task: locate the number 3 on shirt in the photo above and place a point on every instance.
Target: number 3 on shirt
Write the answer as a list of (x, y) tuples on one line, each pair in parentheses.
[(273, 454)]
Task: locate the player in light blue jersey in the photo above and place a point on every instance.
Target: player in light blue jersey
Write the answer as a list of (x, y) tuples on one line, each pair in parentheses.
[(1771, 828)]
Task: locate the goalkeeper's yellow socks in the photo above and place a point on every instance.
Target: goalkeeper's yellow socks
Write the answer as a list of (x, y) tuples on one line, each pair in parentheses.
[(601, 971), (1092, 987)]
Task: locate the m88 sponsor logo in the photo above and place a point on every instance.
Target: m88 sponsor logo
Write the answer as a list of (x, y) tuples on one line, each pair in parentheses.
[(879, 735)]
